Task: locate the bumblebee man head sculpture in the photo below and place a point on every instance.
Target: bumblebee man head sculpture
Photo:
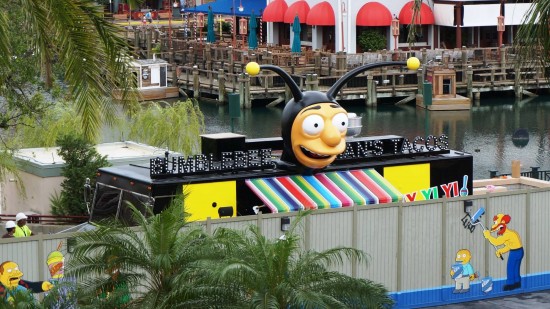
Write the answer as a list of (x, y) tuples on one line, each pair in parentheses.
[(313, 124)]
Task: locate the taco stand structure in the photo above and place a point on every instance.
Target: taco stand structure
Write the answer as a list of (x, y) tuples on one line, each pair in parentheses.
[(411, 217)]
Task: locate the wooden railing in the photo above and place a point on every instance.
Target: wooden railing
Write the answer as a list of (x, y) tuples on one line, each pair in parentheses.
[(48, 219)]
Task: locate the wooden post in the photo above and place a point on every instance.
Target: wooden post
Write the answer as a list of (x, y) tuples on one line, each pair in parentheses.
[(196, 82), (149, 42), (420, 78), (341, 63), (314, 82), (208, 59), (464, 59), (221, 86), (502, 59), (469, 82), (175, 82), (318, 64), (136, 40), (371, 91), (240, 80), (424, 55), (308, 82), (231, 68), (401, 79), (246, 93)]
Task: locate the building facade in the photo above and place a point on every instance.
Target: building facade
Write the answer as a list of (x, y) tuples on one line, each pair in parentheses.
[(335, 25)]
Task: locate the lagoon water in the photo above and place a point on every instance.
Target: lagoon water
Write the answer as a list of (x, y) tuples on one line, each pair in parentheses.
[(486, 131)]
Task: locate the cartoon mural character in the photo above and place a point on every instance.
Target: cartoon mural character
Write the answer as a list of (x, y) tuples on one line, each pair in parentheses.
[(65, 288), (462, 272), (511, 243), (12, 284), (313, 124)]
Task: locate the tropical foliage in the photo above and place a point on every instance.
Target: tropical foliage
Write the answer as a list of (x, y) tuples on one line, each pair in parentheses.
[(176, 127), (263, 273), (157, 264), (81, 161), (533, 38), (168, 263), (74, 36)]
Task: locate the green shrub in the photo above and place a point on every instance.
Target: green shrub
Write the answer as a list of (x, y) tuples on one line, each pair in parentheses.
[(81, 161), (372, 40)]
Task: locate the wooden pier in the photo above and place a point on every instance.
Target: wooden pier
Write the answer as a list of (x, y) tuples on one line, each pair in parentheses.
[(212, 71)]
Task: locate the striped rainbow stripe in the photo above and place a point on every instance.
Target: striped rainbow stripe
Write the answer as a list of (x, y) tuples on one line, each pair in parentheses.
[(324, 190)]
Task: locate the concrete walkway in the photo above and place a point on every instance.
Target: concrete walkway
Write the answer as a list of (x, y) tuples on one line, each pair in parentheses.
[(535, 300)]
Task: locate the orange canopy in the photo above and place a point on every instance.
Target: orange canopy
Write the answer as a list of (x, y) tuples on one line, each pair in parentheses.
[(374, 14), (300, 8), (321, 14), (425, 17), (275, 11)]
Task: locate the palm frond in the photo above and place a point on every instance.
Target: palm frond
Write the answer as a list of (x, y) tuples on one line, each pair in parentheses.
[(532, 41)]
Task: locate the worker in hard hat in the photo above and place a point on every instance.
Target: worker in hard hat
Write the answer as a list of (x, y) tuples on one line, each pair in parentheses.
[(22, 230), (10, 229)]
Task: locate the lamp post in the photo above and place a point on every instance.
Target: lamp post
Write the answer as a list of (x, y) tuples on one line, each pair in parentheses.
[(500, 29), (344, 13), (395, 31), (234, 21)]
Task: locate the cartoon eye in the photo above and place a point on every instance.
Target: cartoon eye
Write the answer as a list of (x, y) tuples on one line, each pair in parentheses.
[(458, 256), (10, 270), (464, 255), (313, 124), (340, 121)]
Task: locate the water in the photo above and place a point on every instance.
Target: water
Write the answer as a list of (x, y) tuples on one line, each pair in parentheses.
[(485, 131)]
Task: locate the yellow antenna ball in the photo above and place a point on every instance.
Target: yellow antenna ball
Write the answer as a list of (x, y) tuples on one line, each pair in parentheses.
[(253, 68), (413, 63)]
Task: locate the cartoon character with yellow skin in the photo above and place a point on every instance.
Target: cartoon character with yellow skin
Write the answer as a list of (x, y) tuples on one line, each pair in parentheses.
[(10, 278), (462, 280), (511, 244), (313, 124), (318, 134)]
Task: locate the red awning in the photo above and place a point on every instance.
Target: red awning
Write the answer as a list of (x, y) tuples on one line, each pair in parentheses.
[(426, 16), (374, 14), (321, 14), (275, 11), (299, 7)]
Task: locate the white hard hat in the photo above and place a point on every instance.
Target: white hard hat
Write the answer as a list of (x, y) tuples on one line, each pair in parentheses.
[(20, 216), (10, 224)]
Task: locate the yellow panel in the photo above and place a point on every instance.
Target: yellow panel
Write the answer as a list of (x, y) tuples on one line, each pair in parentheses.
[(200, 198), (409, 179)]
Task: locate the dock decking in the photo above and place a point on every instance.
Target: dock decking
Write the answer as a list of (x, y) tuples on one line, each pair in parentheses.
[(213, 70)]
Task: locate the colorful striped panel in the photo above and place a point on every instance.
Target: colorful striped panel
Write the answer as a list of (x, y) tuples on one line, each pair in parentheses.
[(383, 196), (310, 191), (333, 201), (357, 198), (335, 189), (271, 200), (306, 201), (384, 184), (324, 190), (359, 187), (291, 202)]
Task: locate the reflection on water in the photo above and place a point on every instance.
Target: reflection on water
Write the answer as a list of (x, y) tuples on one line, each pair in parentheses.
[(485, 131)]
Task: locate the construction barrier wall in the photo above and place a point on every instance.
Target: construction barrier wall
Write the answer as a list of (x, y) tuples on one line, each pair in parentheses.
[(412, 246)]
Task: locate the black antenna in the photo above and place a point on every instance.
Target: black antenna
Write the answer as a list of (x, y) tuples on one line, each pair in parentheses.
[(296, 93), (331, 93)]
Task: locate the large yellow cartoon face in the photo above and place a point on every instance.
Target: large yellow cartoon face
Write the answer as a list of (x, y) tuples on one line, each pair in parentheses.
[(318, 134), (463, 256), (10, 274)]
